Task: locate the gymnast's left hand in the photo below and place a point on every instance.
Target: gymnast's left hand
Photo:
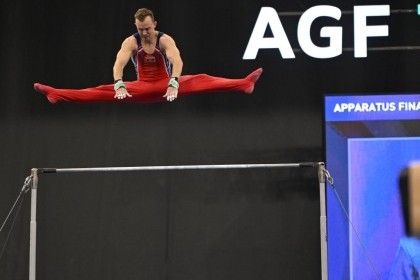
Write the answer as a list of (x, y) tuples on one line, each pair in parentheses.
[(171, 94)]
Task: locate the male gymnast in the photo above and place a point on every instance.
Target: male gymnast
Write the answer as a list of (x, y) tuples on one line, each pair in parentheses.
[(158, 65)]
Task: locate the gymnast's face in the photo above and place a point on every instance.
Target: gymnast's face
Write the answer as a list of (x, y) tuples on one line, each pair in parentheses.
[(146, 29)]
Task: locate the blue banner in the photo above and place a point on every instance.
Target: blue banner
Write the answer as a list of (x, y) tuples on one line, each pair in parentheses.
[(372, 107)]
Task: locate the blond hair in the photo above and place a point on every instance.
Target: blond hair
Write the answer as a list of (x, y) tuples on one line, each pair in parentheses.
[(142, 13)]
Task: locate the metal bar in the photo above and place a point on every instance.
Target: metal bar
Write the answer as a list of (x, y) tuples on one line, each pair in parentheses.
[(323, 221), (349, 12), (32, 238), (37, 171), (177, 167), (390, 48)]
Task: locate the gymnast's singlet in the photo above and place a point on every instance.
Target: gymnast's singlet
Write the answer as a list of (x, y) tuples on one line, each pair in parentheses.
[(151, 67)]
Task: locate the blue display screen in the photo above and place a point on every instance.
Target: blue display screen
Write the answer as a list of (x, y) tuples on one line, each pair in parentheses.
[(366, 152)]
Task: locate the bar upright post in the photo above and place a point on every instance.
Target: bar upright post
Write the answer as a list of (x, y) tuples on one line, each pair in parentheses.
[(323, 221), (32, 238)]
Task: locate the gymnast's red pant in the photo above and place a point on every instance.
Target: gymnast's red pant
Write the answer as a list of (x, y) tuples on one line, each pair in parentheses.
[(152, 91)]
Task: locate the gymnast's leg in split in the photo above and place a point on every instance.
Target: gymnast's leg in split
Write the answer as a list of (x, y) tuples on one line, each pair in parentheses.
[(152, 91)]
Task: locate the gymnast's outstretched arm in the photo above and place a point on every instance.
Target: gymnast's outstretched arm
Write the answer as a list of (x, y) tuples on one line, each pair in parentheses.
[(173, 55), (128, 47)]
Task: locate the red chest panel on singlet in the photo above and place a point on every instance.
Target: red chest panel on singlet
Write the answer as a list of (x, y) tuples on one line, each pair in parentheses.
[(151, 66)]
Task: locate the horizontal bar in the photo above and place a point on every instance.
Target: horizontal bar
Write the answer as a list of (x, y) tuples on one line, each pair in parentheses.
[(178, 167)]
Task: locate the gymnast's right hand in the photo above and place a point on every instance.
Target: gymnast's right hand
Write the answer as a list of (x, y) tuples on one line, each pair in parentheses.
[(120, 90)]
